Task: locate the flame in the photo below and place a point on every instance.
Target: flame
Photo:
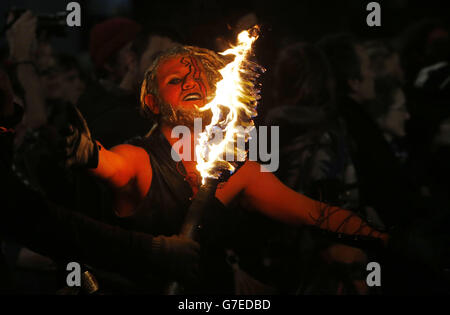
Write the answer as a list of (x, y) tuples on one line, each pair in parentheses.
[(233, 106)]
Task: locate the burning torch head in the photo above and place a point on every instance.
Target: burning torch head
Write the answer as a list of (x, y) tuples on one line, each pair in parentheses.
[(182, 80), (189, 82)]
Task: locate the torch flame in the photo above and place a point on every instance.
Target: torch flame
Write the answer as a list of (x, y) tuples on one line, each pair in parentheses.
[(234, 105)]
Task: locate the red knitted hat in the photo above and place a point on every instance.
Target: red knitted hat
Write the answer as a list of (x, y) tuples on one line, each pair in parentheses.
[(109, 37)]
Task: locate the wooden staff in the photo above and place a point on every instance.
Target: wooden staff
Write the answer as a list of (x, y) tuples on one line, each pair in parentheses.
[(191, 225)]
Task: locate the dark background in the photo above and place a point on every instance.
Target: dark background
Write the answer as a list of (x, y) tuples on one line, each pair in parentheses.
[(300, 19)]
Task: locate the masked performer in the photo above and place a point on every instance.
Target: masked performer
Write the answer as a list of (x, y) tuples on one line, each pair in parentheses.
[(153, 192)]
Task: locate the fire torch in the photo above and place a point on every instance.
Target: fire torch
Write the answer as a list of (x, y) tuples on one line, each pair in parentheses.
[(233, 109)]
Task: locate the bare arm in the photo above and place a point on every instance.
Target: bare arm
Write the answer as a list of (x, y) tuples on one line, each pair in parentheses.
[(122, 165), (264, 192)]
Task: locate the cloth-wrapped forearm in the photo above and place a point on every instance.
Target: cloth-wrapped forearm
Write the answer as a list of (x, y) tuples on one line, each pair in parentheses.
[(65, 235), (339, 220)]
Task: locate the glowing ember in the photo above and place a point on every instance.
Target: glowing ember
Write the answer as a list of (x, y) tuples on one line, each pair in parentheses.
[(233, 108)]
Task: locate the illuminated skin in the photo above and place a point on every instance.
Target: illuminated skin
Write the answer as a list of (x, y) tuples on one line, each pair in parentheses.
[(182, 83), (128, 169)]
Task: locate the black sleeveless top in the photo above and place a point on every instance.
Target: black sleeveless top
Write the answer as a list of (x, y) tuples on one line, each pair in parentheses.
[(165, 206), (163, 210)]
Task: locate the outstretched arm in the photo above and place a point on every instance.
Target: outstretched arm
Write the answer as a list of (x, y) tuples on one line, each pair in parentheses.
[(265, 193), (127, 170), (28, 218), (120, 165)]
